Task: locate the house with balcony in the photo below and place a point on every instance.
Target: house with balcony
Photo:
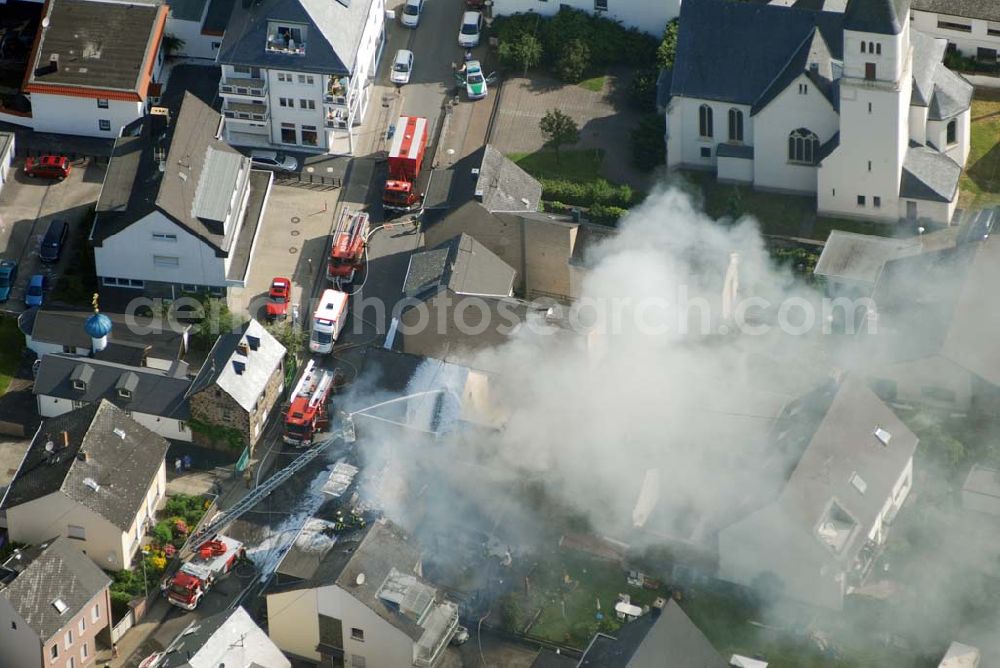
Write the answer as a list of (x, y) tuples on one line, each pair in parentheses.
[(180, 210), (93, 475), (846, 462), (54, 607), (299, 73), (972, 27), (357, 598)]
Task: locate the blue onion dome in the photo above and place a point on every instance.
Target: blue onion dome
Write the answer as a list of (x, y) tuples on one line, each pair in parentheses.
[(98, 326)]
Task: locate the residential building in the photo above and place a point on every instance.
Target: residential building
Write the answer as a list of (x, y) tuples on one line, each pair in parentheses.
[(200, 25), (664, 637), (238, 385), (851, 263), (960, 655), (359, 600), (54, 603), (855, 107), (933, 321), (972, 27), (486, 176), (299, 73), (93, 475), (134, 341), (7, 154), (180, 210), (93, 66), (154, 398), (229, 638), (849, 464), (981, 490), (649, 16), (458, 299)]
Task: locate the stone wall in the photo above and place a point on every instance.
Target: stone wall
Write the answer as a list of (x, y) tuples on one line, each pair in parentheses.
[(215, 407)]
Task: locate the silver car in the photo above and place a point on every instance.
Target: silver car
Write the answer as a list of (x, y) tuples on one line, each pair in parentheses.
[(274, 161), (402, 67)]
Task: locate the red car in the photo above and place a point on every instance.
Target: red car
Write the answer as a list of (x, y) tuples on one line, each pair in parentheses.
[(48, 167), (278, 297)]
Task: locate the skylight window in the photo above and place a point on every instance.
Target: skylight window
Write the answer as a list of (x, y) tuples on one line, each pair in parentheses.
[(882, 435), (60, 606), (858, 483)]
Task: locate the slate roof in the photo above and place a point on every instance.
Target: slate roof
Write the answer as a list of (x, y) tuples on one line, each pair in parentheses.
[(927, 55), (219, 369), (666, 639), (812, 50), (332, 40), (64, 326), (727, 150), (462, 265), (100, 45), (828, 147), (952, 95), (882, 17), (187, 10), (861, 257), (217, 17), (32, 579), (124, 468), (228, 638), (973, 9), (157, 392), (502, 186), (766, 38), (929, 175), (134, 185)]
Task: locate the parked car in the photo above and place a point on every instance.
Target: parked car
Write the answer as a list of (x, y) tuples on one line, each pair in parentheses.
[(468, 33), (278, 297), (36, 290), (53, 241), (411, 13), (475, 82), (276, 162), (402, 67), (8, 276), (48, 167)]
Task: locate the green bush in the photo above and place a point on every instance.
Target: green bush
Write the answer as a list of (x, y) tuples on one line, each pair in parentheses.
[(667, 49), (189, 508), (162, 532), (587, 194), (606, 215), (642, 90), (574, 61), (648, 146)]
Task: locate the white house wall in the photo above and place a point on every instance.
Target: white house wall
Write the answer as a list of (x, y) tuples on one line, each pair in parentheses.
[(195, 45), (130, 253), (647, 15), (49, 406), (918, 124), (773, 125), (735, 170), (967, 43), (684, 141), (69, 115), (937, 134)]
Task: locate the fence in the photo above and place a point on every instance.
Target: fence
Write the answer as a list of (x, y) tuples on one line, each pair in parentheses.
[(305, 180)]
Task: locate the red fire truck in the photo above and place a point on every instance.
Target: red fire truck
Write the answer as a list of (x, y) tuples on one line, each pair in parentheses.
[(347, 249), (307, 413), (212, 560), (406, 157)]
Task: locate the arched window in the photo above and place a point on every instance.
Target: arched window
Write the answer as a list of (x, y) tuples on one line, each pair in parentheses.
[(705, 121), (871, 47), (735, 125), (863, 43), (952, 131), (878, 49), (803, 146)]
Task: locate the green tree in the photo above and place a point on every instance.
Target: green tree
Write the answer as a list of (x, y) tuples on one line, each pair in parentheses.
[(524, 51), (667, 50), (558, 129), (291, 336), (574, 61), (172, 44), (648, 146)]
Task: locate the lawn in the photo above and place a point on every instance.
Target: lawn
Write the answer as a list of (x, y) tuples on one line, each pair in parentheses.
[(11, 348), (981, 180), (573, 165), (594, 84)]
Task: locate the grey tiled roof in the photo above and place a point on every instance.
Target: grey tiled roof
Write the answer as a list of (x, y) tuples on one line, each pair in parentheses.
[(882, 17), (332, 40), (187, 10), (53, 570), (104, 45), (219, 368), (973, 9), (157, 392), (727, 150), (761, 39), (123, 467), (461, 264), (952, 95), (217, 17), (861, 257), (502, 186), (929, 175), (228, 638), (927, 55)]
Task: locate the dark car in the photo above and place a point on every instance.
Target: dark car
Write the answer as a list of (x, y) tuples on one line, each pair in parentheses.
[(35, 294), (8, 275), (54, 240), (48, 167)]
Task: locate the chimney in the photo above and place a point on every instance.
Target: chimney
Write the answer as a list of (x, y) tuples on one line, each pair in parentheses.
[(242, 348), (65, 439), (54, 62), (83, 456)]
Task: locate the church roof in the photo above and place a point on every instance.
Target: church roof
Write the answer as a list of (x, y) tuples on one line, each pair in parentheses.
[(761, 38), (929, 175), (881, 17)]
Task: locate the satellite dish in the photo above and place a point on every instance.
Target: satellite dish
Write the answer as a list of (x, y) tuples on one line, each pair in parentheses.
[(49, 446), (45, 22), (360, 580)]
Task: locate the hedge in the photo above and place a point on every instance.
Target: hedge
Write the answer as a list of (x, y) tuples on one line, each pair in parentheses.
[(588, 194), (605, 215)]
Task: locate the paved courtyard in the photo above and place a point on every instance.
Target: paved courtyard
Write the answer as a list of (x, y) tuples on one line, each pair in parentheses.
[(603, 118)]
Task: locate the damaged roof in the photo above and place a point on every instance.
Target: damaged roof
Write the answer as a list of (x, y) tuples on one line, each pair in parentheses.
[(461, 265)]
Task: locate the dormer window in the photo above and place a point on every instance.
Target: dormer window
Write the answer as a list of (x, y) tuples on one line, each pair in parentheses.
[(285, 37), (124, 393), (79, 385)]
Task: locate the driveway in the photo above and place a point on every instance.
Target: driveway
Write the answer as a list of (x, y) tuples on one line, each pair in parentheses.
[(27, 206)]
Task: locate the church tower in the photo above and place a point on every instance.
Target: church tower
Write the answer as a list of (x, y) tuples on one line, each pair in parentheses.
[(861, 177)]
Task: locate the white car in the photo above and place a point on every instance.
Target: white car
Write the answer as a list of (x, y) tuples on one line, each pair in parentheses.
[(276, 162), (411, 13), (402, 67), (468, 34), (475, 82)]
